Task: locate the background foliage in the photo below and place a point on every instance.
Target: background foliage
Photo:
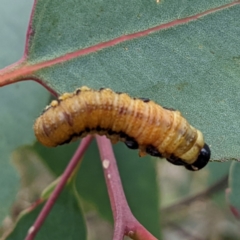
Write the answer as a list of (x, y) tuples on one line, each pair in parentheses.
[(193, 67)]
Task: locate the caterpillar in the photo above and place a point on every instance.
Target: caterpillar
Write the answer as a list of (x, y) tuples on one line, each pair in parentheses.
[(139, 122)]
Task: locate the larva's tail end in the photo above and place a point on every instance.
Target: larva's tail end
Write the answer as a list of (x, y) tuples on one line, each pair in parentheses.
[(202, 160)]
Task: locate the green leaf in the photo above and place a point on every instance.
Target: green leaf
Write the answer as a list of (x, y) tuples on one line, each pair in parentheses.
[(191, 63), (138, 178), (216, 173), (19, 104), (90, 183), (17, 116), (56, 159), (65, 220), (14, 17)]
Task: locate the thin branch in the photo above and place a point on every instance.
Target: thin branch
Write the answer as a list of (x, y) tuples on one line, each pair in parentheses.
[(222, 183), (183, 232), (124, 221), (64, 178)]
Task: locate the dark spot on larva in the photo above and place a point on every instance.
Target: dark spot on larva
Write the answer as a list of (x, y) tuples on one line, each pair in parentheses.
[(74, 135), (46, 130), (87, 129), (78, 91), (145, 99), (131, 143), (121, 110), (150, 149), (110, 132), (175, 160), (119, 93), (68, 118), (78, 134), (122, 135), (170, 109), (98, 129), (100, 89), (66, 141)]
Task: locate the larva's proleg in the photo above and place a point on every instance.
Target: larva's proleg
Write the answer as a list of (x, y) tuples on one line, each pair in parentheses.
[(139, 122)]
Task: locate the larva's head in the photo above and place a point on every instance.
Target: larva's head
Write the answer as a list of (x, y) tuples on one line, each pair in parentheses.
[(196, 157), (202, 160)]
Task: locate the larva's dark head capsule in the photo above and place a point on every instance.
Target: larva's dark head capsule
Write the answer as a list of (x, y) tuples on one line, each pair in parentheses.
[(202, 160)]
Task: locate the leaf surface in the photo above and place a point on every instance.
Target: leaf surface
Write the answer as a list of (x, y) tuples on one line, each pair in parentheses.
[(16, 112), (65, 221), (17, 116), (138, 179), (182, 55)]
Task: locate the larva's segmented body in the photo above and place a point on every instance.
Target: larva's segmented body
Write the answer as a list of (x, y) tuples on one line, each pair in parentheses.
[(140, 123)]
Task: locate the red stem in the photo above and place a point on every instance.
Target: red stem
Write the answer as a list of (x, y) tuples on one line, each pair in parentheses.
[(124, 221), (64, 178)]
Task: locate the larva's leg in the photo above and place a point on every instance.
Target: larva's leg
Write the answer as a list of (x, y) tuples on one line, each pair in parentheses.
[(175, 161), (150, 149)]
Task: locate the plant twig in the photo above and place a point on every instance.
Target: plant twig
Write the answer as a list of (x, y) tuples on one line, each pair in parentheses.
[(181, 231), (124, 221), (222, 183), (64, 178)]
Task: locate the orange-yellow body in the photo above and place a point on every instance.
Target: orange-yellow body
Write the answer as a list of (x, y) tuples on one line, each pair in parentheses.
[(118, 116)]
